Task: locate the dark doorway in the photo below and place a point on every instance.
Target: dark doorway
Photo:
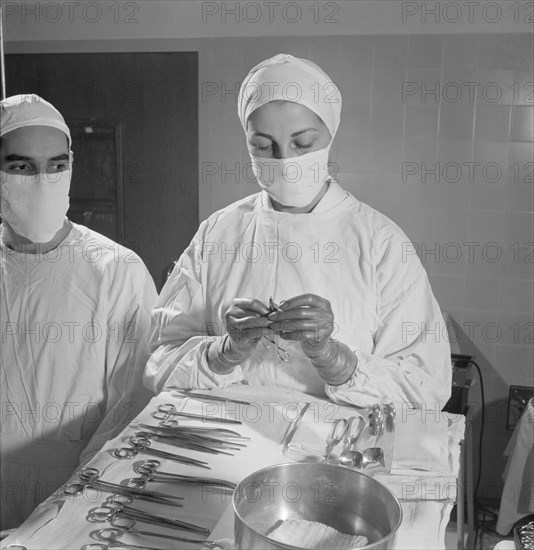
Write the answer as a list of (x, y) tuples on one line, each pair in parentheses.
[(134, 122)]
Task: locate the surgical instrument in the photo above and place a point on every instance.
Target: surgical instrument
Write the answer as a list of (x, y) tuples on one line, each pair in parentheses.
[(149, 470), (115, 507), (337, 433), (142, 445), (207, 397), (113, 534), (172, 426), (168, 409), (90, 478), (189, 442)]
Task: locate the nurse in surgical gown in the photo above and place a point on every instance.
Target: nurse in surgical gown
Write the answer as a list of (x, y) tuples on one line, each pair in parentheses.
[(74, 331), (331, 259)]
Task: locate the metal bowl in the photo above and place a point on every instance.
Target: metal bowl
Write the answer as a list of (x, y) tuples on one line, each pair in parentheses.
[(344, 499)]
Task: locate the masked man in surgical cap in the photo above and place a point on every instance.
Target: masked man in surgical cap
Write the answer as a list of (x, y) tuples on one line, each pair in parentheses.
[(74, 313), (354, 307)]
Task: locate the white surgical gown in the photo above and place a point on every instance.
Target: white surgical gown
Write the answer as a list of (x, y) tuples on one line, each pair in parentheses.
[(344, 251), (74, 330)]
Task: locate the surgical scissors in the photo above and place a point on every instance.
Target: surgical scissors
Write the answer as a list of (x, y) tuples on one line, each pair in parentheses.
[(115, 507), (376, 419), (142, 445), (149, 470), (337, 433), (282, 353), (113, 534), (168, 409), (90, 478), (268, 342), (390, 414)]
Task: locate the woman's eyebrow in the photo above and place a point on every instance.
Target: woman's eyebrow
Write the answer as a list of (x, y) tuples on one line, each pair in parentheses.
[(261, 134), (303, 131), (63, 156)]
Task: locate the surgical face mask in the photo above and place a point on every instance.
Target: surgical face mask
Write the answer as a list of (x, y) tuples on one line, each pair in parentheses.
[(292, 181), (35, 206)]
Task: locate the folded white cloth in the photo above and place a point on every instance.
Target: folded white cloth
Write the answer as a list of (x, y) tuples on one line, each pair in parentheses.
[(315, 535), (221, 544)]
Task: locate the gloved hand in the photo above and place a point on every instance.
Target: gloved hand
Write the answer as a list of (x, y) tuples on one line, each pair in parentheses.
[(246, 322), (309, 319)]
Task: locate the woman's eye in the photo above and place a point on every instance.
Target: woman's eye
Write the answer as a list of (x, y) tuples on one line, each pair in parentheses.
[(259, 147), (304, 145)]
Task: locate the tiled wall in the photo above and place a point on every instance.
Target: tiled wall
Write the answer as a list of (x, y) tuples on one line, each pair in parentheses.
[(468, 105)]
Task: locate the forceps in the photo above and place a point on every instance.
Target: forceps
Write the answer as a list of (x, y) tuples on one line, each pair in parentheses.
[(225, 439), (189, 442), (115, 507), (173, 427), (149, 470), (142, 445), (90, 478), (113, 534), (167, 410), (205, 438)]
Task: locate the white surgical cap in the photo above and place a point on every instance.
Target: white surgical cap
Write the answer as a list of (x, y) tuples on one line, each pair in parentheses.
[(288, 78), (23, 110)]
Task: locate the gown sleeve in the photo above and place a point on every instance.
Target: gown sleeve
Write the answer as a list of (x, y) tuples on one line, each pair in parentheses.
[(180, 330), (132, 296), (410, 360)]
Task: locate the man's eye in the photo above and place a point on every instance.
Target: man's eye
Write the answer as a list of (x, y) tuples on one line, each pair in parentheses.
[(58, 166), (19, 167)]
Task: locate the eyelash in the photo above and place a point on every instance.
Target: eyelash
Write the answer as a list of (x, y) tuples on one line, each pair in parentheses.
[(270, 146)]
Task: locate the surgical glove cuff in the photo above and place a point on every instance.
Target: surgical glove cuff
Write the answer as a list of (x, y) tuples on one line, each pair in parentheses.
[(223, 355), (321, 353), (335, 362)]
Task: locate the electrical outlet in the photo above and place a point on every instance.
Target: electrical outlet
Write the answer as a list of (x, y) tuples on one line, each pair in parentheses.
[(517, 401)]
